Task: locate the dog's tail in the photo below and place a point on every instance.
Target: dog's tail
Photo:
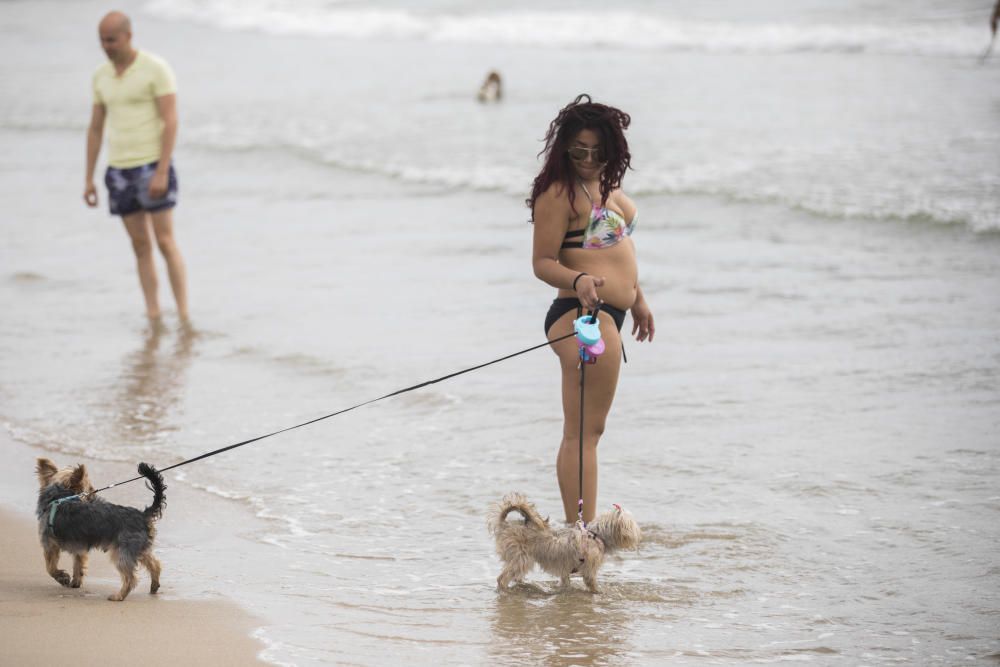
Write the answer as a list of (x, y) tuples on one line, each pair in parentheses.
[(514, 502), (154, 511)]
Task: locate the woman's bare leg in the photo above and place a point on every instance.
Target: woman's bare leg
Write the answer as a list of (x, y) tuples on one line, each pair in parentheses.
[(599, 392)]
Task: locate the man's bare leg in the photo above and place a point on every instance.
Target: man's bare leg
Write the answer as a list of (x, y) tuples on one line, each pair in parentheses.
[(163, 226), (137, 226)]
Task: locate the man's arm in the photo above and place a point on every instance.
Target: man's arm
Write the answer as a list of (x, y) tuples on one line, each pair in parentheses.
[(166, 105), (94, 135)]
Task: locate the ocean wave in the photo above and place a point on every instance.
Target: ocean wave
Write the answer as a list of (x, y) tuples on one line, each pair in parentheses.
[(733, 179), (49, 440), (621, 29), (82, 441), (31, 120), (900, 201), (292, 526)]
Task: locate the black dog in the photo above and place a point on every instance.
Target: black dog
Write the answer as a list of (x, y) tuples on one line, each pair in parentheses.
[(78, 524)]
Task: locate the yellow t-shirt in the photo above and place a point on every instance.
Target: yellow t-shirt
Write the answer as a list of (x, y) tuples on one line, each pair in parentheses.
[(133, 120)]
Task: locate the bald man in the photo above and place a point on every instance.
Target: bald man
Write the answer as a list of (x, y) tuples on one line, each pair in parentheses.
[(135, 95)]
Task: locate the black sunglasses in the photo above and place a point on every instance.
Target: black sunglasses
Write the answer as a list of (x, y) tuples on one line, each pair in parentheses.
[(580, 153)]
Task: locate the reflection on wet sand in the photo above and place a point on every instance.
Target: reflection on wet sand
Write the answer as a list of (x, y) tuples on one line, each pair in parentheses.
[(151, 385), (534, 627)]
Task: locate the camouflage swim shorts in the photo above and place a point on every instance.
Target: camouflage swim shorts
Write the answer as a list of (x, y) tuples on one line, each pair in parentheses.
[(128, 189)]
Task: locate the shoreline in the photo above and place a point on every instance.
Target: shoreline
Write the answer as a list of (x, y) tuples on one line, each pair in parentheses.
[(162, 629)]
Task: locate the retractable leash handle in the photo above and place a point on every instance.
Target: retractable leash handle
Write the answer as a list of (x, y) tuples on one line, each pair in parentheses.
[(588, 336), (595, 311)]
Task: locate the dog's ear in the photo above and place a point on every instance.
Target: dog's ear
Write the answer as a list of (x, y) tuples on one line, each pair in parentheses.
[(79, 481), (45, 470)]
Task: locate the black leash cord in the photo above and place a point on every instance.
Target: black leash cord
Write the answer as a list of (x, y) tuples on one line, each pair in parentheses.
[(354, 407), (583, 367)]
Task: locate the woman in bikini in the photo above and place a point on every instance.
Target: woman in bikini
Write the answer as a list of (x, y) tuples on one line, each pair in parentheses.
[(583, 247)]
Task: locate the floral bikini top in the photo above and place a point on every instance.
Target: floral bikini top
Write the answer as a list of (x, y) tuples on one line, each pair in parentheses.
[(605, 228)]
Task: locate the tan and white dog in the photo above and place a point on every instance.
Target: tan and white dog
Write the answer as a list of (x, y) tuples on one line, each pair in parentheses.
[(522, 545)]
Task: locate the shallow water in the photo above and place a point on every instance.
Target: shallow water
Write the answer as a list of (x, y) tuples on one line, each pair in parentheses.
[(810, 444)]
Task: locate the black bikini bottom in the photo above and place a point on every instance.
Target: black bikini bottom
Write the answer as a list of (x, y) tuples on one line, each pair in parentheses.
[(563, 305)]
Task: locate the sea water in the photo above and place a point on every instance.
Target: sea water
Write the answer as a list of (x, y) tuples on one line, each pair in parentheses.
[(810, 443)]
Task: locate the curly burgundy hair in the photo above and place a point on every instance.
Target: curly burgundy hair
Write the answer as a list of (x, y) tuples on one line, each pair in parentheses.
[(583, 114)]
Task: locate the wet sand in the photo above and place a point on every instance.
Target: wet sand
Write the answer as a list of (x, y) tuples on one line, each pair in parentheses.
[(179, 625), (144, 629)]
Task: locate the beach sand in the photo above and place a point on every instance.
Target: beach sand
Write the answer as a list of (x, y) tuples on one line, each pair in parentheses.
[(144, 629)]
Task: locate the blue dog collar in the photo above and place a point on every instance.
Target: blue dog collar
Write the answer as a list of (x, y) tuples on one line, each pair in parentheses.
[(54, 505)]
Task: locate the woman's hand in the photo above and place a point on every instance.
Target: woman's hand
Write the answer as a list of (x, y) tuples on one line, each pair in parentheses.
[(642, 321), (586, 290)]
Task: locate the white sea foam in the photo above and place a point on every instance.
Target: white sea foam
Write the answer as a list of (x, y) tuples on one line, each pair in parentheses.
[(730, 177), (620, 29), (743, 179), (272, 649), (57, 438)]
